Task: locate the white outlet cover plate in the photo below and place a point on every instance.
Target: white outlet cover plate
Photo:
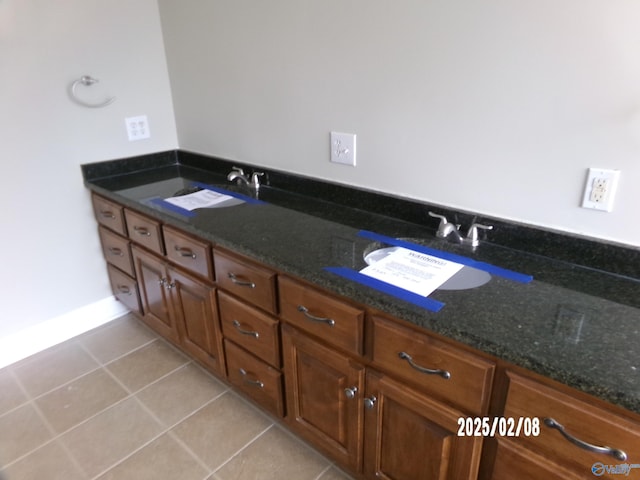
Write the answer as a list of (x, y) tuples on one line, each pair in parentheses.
[(343, 148), (137, 127), (611, 177)]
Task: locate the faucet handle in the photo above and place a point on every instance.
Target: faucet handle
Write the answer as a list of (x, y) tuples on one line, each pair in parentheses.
[(443, 219), (237, 169), (472, 234), (255, 179), (445, 227)]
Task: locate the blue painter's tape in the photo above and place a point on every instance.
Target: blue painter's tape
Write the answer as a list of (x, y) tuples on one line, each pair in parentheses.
[(174, 208), (424, 302), (492, 269), (244, 198)]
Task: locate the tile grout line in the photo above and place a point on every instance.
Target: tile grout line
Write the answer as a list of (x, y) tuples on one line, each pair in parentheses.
[(324, 471), (16, 375), (115, 359), (165, 430), (100, 364), (22, 389), (240, 450), (55, 436), (274, 424)]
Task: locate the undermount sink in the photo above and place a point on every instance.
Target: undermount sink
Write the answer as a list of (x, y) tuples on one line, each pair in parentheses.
[(466, 278)]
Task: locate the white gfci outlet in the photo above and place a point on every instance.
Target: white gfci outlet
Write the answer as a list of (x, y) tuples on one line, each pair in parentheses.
[(343, 148), (137, 127), (600, 189)]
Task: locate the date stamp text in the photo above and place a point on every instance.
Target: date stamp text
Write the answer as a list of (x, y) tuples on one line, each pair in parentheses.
[(498, 427)]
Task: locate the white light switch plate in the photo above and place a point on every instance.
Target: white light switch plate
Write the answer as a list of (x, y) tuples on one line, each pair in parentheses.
[(137, 127), (343, 148)]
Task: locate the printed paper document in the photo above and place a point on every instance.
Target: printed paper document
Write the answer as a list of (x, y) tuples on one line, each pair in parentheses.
[(201, 199), (413, 271)]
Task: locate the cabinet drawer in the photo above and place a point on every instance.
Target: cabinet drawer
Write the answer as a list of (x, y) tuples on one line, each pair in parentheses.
[(246, 279), (513, 462), (124, 288), (258, 380), (109, 214), (116, 250), (581, 420), (189, 252), (144, 231), (335, 321), (453, 375), (250, 328)]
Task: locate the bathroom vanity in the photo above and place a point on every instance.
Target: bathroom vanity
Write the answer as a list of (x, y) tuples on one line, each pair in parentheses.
[(508, 379)]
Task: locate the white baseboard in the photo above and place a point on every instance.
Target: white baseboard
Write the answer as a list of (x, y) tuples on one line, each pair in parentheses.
[(58, 329)]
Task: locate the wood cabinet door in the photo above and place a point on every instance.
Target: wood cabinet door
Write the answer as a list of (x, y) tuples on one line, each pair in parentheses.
[(155, 297), (409, 436), (324, 397), (196, 318)]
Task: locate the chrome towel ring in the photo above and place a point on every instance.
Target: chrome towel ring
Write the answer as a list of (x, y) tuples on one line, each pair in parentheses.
[(87, 81)]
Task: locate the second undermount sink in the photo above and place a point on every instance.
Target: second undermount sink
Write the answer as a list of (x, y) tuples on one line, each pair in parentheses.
[(466, 278)]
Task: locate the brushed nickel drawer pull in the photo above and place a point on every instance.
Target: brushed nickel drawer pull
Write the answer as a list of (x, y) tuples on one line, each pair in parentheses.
[(240, 283), (257, 383), (107, 214), (142, 231), (185, 252), (124, 289), (443, 373), (614, 452), (116, 251), (236, 324), (329, 321)]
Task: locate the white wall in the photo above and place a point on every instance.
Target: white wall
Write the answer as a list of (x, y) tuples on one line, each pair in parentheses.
[(492, 106), (49, 249)]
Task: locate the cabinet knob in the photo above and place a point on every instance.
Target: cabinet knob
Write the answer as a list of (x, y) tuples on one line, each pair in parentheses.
[(350, 392), (370, 402)]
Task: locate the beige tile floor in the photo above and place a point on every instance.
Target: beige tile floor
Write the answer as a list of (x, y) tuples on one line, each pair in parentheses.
[(120, 403)]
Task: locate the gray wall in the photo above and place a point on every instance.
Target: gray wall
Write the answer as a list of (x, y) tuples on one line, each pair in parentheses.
[(49, 249), (492, 106), (497, 107)]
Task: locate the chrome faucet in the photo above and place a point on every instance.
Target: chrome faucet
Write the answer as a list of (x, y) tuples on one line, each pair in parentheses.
[(238, 175), (448, 230), (445, 229)]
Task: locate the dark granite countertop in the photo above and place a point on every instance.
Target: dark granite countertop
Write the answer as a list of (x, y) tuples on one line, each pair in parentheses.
[(577, 322)]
